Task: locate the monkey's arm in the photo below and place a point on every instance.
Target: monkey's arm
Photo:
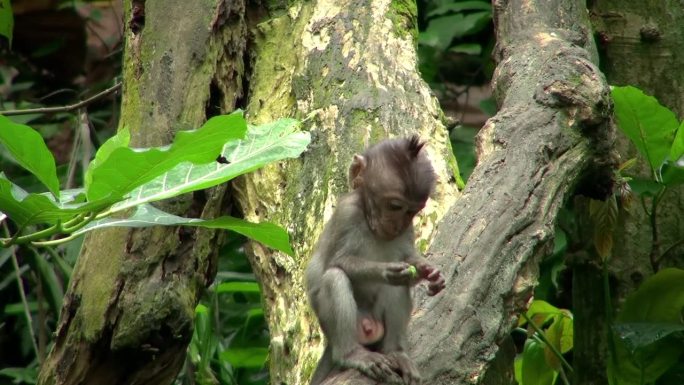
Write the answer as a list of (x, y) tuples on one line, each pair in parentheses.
[(362, 270)]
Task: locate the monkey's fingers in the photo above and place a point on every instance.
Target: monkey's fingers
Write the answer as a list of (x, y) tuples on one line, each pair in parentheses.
[(433, 275), (399, 273), (380, 371), (398, 266), (436, 286)]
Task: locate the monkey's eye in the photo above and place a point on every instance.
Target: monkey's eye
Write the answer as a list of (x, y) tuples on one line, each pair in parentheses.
[(395, 206)]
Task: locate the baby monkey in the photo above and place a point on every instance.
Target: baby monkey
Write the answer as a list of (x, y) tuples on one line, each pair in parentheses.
[(365, 262)]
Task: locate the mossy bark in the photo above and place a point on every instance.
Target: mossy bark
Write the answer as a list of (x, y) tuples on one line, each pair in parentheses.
[(553, 129), (349, 69), (128, 313), (639, 43)]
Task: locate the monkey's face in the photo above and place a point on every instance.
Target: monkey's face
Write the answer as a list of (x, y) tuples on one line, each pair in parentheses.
[(390, 215)]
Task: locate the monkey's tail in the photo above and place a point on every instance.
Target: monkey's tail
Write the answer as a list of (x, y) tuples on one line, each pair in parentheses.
[(325, 366)]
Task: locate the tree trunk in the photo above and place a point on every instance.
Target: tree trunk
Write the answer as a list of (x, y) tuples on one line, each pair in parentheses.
[(351, 67), (128, 313), (551, 137), (129, 310), (639, 43)]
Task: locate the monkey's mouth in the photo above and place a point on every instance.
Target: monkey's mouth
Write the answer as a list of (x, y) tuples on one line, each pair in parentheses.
[(387, 235)]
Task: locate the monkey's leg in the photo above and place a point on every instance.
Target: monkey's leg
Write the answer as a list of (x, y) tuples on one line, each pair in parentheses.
[(394, 306), (337, 312)]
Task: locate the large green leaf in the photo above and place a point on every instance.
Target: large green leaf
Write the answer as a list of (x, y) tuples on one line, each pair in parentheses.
[(649, 125), (6, 20), (145, 215), (677, 150), (673, 174), (26, 209), (121, 139), (126, 168), (262, 145), (638, 335), (29, 150), (658, 301)]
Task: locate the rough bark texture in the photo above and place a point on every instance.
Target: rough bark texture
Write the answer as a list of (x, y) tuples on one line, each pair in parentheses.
[(128, 313), (639, 44), (351, 67), (553, 129)]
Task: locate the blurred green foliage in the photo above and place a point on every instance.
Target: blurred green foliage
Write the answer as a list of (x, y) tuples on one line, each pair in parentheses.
[(230, 342), (455, 41)]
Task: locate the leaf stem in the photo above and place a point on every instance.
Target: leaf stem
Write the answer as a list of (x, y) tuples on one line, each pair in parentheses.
[(52, 230), (22, 294)]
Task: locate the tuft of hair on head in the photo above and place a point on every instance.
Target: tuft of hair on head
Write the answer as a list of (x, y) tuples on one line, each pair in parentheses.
[(414, 145)]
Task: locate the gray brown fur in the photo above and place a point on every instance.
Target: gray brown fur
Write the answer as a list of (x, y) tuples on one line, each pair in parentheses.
[(361, 263)]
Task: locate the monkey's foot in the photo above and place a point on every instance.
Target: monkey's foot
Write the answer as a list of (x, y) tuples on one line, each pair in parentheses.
[(409, 372), (374, 365)]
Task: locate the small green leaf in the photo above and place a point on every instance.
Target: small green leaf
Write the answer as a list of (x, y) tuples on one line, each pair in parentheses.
[(467, 48), (125, 168), (559, 334), (145, 215), (29, 150), (518, 369), (535, 370), (603, 215), (6, 20), (254, 358), (200, 308), (238, 287), (413, 271), (454, 7), (649, 125), (542, 307)]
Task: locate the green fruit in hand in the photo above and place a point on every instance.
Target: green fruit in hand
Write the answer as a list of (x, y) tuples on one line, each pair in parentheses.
[(414, 272)]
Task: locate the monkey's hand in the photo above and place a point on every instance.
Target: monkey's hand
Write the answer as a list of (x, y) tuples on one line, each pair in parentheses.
[(432, 275), (400, 273), (375, 365), (407, 370)]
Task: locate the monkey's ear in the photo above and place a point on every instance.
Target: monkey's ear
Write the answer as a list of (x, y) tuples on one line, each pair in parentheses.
[(357, 167)]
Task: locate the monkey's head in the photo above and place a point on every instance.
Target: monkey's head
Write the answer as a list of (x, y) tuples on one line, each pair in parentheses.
[(394, 179)]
